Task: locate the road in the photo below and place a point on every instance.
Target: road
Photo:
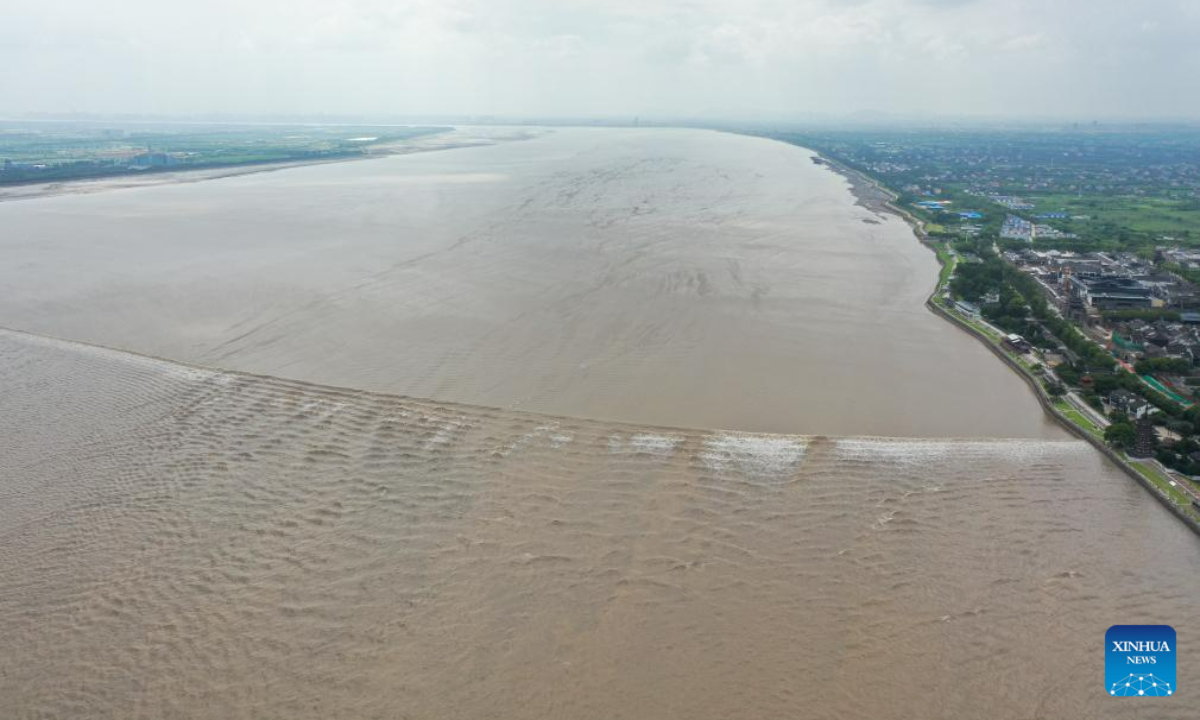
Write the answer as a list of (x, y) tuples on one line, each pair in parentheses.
[(1072, 397)]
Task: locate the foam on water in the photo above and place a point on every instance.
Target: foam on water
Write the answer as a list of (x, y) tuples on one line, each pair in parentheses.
[(644, 443), (758, 457), (918, 451), (198, 544)]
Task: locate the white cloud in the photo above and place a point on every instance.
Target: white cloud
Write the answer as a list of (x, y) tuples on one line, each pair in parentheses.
[(609, 57), (1026, 42)]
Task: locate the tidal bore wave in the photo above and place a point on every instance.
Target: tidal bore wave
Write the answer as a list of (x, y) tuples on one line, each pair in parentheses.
[(187, 543)]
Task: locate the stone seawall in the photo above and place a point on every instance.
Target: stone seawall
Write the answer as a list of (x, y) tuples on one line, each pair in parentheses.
[(1048, 405)]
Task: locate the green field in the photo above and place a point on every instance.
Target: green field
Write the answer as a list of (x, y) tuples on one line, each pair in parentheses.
[(1137, 184), (40, 152), (1156, 216)]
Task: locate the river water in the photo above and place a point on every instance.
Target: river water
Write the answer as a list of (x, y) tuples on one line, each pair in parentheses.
[(178, 542), (672, 277)]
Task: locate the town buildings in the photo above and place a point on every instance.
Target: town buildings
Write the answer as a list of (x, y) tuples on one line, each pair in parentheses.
[(1094, 288)]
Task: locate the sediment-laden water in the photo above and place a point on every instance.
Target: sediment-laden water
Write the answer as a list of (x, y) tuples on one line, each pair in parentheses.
[(180, 543), (669, 277)]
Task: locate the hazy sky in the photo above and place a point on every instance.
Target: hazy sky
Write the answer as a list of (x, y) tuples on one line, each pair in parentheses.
[(695, 58)]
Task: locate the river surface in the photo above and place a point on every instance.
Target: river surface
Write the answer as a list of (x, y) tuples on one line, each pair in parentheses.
[(194, 544), (673, 277), (199, 543)]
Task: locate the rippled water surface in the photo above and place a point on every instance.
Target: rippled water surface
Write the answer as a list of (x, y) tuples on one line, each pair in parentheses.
[(205, 544), (194, 544), (670, 277)]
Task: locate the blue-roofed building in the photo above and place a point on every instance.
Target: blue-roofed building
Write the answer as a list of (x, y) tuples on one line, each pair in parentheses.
[(932, 204)]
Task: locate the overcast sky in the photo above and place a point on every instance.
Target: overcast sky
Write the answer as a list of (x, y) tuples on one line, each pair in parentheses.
[(614, 58)]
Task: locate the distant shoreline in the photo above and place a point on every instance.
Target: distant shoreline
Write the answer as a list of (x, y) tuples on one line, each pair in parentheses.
[(867, 191), (874, 196), (174, 176)]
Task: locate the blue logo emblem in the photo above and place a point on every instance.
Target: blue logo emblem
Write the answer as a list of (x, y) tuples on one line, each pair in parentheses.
[(1139, 660)]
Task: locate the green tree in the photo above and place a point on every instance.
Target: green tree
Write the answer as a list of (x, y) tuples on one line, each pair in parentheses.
[(1173, 366), (1120, 435)]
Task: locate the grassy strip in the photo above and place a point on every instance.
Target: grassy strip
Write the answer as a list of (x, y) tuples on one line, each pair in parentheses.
[(1160, 481), (948, 260), (1177, 497), (1078, 418)]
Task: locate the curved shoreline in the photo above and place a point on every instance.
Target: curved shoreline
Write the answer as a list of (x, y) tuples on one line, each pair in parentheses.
[(1187, 515), (174, 175)]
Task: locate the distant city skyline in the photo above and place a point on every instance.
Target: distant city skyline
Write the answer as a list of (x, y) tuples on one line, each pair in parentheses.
[(702, 59)]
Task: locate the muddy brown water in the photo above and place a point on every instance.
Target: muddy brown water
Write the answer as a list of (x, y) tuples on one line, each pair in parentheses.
[(670, 277), (190, 544), (179, 542)]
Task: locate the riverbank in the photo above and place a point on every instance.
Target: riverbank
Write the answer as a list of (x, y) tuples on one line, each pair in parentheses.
[(878, 198), (455, 138), (394, 275), (411, 528)]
